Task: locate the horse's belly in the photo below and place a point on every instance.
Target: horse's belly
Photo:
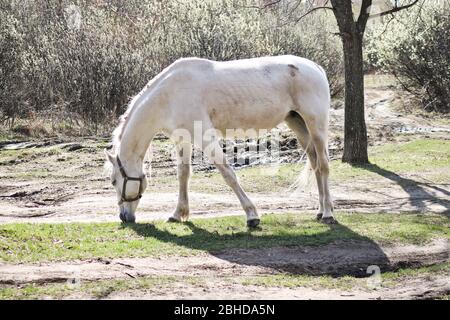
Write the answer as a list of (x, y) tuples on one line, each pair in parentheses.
[(251, 115)]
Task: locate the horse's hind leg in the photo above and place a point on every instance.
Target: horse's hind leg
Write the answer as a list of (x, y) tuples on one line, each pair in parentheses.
[(320, 144), (184, 152), (296, 123), (315, 116)]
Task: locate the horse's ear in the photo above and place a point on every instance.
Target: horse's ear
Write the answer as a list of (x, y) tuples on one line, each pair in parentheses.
[(111, 158)]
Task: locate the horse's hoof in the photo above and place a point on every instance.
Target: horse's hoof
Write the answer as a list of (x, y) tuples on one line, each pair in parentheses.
[(329, 220), (319, 216), (253, 223), (173, 220), (127, 220)]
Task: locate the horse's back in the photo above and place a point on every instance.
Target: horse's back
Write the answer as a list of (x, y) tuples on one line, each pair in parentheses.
[(200, 64), (249, 93)]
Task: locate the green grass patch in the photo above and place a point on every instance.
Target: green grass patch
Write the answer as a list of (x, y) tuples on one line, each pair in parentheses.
[(388, 279), (91, 289), (255, 179), (423, 157), (29, 154), (374, 81), (391, 278), (309, 281), (390, 160), (98, 289), (55, 242)]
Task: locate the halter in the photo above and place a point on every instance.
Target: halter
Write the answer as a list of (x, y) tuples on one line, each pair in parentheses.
[(125, 180)]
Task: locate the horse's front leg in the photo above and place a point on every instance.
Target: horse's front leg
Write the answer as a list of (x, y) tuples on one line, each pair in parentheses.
[(214, 152), (184, 152), (230, 178)]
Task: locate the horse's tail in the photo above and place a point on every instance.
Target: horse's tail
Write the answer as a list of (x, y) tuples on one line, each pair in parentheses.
[(305, 181)]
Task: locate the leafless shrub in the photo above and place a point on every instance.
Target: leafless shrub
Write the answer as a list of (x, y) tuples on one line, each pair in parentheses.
[(79, 62)]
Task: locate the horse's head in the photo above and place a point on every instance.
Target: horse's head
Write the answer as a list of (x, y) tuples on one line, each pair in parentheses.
[(130, 184)]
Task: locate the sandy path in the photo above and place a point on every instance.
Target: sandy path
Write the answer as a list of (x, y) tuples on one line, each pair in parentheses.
[(418, 288), (383, 195)]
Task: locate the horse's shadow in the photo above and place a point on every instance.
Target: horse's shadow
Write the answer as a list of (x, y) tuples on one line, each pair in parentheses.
[(417, 191), (337, 251), (354, 254)]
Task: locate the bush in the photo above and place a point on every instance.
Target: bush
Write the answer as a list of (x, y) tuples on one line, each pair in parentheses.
[(416, 49), (81, 61)]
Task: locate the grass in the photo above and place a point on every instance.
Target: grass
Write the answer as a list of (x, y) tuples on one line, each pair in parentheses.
[(93, 289), (391, 278), (388, 279), (376, 81), (25, 243), (295, 281), (28, 242), (7, 135), (52, 163), (256, 179), (415, 157)]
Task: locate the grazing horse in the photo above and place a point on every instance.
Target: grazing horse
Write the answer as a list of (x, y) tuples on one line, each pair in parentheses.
[(246, 94)]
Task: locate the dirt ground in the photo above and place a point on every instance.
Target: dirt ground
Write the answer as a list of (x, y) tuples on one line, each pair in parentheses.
[(337, 259), (34, 190)]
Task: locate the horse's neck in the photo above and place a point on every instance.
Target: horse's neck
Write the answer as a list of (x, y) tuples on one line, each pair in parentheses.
[(136, 139), (145, 121), (132, 149)]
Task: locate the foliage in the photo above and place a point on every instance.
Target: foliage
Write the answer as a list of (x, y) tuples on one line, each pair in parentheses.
[(81, 61), (415, 48)]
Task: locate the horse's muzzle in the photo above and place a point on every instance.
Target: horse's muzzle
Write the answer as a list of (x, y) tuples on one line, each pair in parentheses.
[(126, 217)]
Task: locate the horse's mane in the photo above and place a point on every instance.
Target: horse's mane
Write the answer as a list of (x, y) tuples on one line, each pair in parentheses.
[(123, 120)]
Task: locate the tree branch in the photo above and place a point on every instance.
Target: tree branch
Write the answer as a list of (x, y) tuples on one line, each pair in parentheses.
[(311, 11), (274, 2), (395, 9), (364, 15), (311, 3)]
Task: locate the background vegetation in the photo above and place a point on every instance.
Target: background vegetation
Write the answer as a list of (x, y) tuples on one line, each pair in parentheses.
[(72, 66), (415, 47), (84, 71)]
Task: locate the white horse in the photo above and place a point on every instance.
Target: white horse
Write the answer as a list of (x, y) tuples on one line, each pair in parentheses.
[(257, 93)]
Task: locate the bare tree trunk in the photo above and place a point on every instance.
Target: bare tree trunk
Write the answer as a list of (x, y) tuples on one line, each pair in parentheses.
[(352, 33), (355, 139)]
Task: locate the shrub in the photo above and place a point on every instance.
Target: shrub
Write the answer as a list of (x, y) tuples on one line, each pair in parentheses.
[(81, 61), (416, 49)]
